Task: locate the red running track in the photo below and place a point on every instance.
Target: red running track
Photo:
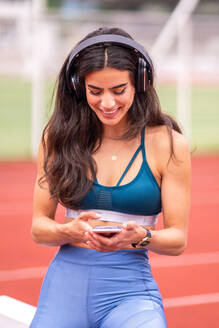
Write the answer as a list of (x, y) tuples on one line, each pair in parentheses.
[(188, 283)]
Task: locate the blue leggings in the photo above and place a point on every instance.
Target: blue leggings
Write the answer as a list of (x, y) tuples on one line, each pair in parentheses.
[(87, 289)]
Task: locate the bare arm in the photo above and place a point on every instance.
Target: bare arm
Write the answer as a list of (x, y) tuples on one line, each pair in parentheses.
[(45, 230), (175, 193)]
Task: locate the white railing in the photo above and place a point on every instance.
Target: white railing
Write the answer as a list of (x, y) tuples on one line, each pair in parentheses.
[(178, 28)]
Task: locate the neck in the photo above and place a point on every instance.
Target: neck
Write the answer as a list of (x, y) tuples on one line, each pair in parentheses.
[(113, 133)]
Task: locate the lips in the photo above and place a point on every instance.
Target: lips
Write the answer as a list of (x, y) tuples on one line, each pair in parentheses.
[(110, 114)]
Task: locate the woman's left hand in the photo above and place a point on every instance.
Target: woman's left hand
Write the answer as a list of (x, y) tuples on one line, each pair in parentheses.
[(131, 233)]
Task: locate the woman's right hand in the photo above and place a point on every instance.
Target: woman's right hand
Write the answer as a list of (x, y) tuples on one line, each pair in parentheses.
[(78, 227)]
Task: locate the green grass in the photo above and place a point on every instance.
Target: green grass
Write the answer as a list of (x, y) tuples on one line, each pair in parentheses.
[(204, 115), (205, 119), (15, 116)]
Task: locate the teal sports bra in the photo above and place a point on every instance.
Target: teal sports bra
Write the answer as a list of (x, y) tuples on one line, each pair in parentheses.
[(141, 196)]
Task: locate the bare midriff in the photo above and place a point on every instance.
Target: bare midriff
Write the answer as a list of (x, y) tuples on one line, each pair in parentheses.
[(94, 223)]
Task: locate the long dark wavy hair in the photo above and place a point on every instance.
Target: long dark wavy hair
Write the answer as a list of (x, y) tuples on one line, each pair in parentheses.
[(74, 132)]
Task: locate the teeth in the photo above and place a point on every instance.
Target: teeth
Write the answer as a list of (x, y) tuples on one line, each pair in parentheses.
[(110, 112)]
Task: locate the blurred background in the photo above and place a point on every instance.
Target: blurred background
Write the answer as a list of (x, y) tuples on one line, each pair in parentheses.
[(182, 37), (37, 35)]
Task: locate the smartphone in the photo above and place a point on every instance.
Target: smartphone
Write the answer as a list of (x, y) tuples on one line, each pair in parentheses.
[(107, 231)]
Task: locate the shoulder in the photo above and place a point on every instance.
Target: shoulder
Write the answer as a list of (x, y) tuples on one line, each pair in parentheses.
[(159, 142), (160, 138)]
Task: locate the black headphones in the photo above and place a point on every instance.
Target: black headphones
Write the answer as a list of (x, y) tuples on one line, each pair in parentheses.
[(144, 75)]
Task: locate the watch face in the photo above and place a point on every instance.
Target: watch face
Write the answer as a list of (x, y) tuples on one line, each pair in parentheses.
[(146, 242)]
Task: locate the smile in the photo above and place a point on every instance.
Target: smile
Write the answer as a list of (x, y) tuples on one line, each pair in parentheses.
[(110, 115), (111, 112)]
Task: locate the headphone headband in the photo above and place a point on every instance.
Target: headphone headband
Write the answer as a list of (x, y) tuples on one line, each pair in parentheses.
[(144, 70), (114, 38)]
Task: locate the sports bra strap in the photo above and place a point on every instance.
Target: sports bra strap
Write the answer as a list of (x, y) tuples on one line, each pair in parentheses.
[(130, 164)]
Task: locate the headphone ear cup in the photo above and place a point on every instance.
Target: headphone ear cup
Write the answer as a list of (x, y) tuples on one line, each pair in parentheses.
[(141, 77), (75, 79)]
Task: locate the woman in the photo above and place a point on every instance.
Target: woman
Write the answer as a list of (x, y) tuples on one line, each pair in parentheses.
[(111, 157)]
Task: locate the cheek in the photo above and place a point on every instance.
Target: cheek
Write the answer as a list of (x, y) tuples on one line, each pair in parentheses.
[(90, 100), (128, 100)]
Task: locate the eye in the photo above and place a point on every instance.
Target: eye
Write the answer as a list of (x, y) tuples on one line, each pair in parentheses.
[(120, 92), (95, 93)]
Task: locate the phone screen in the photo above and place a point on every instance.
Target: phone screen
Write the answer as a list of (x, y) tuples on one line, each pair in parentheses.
[(107, 231)]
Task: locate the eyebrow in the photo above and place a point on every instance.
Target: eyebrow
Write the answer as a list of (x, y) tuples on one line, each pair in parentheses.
[(115, 87)]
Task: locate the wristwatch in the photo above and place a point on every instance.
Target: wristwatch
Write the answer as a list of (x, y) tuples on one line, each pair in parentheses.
[(145, 241)]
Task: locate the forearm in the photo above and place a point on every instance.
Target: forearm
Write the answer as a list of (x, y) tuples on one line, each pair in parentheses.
[(169, 241), (49, 232)]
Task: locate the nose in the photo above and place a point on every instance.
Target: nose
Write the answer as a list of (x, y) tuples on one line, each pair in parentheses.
[(107, 101)]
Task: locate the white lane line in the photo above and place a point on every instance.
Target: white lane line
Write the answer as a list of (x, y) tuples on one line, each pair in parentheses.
[(24, 273), (191, 300), (156, 262), (183, 260)]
